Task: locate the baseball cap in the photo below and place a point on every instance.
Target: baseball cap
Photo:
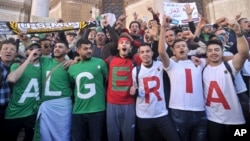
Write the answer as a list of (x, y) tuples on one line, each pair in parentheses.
[(33, 45)]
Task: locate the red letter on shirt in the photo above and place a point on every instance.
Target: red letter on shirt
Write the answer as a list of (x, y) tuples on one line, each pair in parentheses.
[(221, 99), (153, 89), (189, 82)]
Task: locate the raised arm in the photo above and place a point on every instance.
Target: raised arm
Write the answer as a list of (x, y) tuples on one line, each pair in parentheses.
[(155, 15), (15, 75), (161, 46), (242, 46), (110, 47), (199, 26), (154, 31), (202, 46), (189, 11)]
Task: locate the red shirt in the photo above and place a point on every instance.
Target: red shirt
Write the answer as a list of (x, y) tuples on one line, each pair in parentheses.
[(120, 80)]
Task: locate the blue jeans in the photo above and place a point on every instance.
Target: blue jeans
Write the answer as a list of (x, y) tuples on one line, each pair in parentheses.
[(121, 122), (148, 127), (190, 125), (88, 125)]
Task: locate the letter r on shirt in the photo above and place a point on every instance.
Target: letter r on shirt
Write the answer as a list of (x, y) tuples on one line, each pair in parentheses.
[(153, 90)]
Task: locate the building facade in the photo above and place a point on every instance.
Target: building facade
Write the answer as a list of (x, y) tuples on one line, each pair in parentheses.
[(74, 10), (82, 10), (15, 10)]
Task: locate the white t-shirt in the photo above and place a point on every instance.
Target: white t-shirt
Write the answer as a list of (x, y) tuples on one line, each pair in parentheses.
[(222, 104), (246, 68), (150, 102), (240, 85), (186, 85)]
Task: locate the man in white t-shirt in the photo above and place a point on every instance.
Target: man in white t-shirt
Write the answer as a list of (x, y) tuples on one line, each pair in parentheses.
[(222, 104), (186, 104), (151, 111)]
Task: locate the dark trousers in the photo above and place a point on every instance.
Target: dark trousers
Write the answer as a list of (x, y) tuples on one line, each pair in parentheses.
[(222, 132), (14, 126), (2, 121), (247, 80), (190, 125), (88, 125), (164, 124), (217, 132)]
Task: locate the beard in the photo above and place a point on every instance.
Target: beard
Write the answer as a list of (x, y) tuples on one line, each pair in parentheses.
[(59, 56), (87, 57)]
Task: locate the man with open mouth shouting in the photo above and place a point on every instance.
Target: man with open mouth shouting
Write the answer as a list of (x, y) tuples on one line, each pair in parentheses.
[(120, 104)]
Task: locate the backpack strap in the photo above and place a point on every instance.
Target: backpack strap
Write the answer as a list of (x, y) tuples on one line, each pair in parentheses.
[(230, 71), (203, 70), (54, 68), (138, 68), (202, 75)]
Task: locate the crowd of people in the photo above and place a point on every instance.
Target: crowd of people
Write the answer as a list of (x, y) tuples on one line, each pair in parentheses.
[(153, 81)]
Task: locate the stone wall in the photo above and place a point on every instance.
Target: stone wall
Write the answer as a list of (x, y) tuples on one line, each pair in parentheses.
[(113, 6), (140, 8), (228, 8), (55, 10), (75, 12), (72, 10), (15, 10), (211, 9)]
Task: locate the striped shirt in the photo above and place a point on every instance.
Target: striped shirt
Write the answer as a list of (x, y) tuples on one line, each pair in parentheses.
[(5, 90)]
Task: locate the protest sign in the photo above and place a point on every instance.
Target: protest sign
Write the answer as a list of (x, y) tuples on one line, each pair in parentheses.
[(177, 13)]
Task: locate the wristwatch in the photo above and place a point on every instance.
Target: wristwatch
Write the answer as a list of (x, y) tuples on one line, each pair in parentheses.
[(239, 34)]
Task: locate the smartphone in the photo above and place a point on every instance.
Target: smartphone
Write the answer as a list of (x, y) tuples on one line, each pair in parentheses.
[(174, 21)]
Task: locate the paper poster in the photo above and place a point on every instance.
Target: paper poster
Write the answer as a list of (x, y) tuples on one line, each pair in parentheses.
[(177, 13)]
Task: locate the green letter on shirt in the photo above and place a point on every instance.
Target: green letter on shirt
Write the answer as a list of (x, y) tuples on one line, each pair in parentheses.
[(120, 79)]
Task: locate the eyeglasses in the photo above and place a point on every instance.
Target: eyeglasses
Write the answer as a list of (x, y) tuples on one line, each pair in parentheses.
[(9, 49), (47, 46)]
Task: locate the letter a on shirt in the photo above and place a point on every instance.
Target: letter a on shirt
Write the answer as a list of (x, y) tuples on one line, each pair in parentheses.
[(220, 97)]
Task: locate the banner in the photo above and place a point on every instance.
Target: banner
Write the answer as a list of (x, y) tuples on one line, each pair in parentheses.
[(177, 13), (12, 28)]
